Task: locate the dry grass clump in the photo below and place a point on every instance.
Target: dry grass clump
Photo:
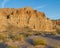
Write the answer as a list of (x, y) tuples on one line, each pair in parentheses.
[(34, 33), (57, 47), (18, 37), (38, 32), (3, 36), (39, 41), (54, 33), (12, 46)]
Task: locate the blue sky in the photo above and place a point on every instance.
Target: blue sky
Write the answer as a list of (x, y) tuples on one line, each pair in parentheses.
[(50, 7)]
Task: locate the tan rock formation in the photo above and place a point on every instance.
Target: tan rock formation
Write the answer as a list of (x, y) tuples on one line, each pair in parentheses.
[(23, 17), (56, 22)]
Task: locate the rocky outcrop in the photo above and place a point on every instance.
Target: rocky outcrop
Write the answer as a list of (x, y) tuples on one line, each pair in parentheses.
[(24, 17), (56, 22)]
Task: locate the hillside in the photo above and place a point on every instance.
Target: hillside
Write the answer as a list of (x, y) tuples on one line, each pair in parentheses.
[(27, 28)]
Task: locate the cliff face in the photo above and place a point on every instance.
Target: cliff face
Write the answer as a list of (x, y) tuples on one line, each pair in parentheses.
[(56, 22), (24, 17)]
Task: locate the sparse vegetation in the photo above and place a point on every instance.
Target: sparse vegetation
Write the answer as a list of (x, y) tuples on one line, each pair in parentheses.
[(12, 46), (26, 27), (6, 39), (39, 41), (17, 37), (3, 36), (54, 33), (37, 33), (57, 47)]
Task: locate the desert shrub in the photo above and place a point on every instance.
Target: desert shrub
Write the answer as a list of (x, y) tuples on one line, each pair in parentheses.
[(38, 33), (25, 35), (6, 40), (12, 47), (54, 33), (57, 47), (39, 41), (18, 37), (29, 33), (2, 36), (34, 33)]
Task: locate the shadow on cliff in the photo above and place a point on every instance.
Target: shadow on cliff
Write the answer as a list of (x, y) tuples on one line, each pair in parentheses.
[(3, 45)]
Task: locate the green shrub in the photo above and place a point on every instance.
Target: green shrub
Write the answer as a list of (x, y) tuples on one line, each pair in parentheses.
[(39, 41)]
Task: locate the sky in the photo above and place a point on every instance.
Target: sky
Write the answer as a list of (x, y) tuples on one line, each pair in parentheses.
[(51, 8)]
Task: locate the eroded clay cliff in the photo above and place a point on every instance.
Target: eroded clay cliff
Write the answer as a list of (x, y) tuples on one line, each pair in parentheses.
[(24, 17)]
